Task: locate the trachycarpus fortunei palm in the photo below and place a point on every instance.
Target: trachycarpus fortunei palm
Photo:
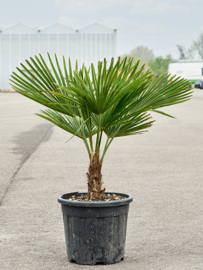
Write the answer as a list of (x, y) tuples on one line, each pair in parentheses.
[(115, 100)]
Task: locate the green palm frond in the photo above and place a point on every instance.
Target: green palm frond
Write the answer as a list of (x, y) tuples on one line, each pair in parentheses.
[(74, 125), (38, 83), (114, 100)]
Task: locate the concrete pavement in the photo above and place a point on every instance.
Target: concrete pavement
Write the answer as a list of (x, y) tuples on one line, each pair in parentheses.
[(162, 169)]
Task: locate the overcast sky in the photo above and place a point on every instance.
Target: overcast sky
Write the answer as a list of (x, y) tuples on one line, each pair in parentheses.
[(158, 24)]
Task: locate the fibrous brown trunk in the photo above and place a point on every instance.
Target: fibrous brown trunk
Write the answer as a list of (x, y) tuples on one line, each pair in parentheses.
[(94, 177)]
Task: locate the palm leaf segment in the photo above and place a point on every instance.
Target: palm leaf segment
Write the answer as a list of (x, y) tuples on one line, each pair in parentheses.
[(113, 100)]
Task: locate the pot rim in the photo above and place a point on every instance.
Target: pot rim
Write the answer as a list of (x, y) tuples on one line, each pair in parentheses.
[(63, 201)]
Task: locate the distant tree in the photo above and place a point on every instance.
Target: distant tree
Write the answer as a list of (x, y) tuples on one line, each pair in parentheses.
[(160, 65), (181, 52), (135, 59), (143, 52), (189, 54), (198, 45)]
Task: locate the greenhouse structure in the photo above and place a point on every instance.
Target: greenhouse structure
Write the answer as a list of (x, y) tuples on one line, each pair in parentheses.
[(88, 45)]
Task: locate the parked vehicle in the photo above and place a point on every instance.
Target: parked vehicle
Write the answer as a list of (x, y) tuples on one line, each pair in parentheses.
[(199, 84), (192, 71)]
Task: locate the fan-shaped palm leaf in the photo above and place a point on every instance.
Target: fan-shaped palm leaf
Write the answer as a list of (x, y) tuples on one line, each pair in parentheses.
[(112, 100)]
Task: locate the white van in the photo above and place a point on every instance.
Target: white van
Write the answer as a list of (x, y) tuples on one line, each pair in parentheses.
[(192, 71)]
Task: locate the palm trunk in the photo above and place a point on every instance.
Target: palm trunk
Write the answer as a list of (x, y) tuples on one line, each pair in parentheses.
[(94, 176)]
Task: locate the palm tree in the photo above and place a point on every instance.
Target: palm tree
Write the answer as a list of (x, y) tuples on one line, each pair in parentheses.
[(86, 103)]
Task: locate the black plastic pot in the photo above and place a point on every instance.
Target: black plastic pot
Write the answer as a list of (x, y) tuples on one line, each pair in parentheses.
[(95, 231)]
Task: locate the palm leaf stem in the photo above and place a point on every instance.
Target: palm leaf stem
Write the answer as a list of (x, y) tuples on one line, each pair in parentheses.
[(108, 142), (89, 128), (98, 136), (91, 146), (87, 146), (105, 149)]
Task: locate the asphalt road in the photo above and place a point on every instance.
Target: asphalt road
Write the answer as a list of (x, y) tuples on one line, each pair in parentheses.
[(162, 169)]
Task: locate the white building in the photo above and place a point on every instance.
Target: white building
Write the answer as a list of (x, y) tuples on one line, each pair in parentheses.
[(19, 42)]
